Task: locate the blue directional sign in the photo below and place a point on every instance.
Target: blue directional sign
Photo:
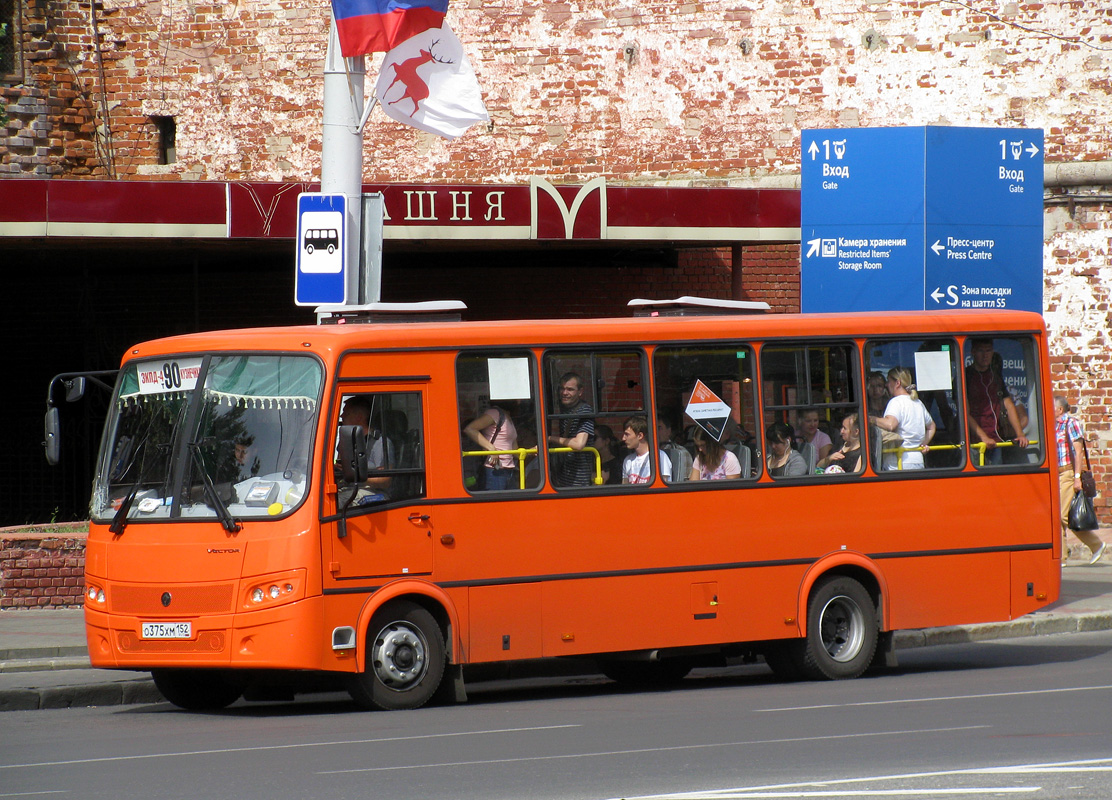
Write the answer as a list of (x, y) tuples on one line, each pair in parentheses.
[(321, 277), (921, 218)]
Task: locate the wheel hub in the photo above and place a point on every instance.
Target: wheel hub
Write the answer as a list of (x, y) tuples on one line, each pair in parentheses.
[(842, 627), (399, 656)]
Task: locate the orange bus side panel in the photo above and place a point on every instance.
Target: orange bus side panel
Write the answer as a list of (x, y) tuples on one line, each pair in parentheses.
[(1035, 581), (933, 591), (505, 622)]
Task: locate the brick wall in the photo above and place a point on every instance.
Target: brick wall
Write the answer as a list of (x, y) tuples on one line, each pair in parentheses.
[(42, 567)]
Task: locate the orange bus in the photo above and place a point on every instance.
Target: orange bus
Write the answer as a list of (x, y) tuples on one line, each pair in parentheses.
[(380, 502)]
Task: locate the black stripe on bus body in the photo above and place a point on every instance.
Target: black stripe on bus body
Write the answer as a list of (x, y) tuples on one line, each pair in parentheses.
[(690, 568), (711, 615), (387, 379)]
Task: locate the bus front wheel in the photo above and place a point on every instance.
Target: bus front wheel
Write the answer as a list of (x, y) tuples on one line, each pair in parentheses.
[(405, 659), (841, 630), (198, 689)]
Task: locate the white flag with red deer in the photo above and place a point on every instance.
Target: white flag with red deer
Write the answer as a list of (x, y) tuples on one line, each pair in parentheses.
[(427, 82)]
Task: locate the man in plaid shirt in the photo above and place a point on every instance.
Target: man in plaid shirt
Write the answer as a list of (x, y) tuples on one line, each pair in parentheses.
[(1068, 436)]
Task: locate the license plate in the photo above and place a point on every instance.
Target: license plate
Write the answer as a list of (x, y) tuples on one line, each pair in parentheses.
[(167, 630)]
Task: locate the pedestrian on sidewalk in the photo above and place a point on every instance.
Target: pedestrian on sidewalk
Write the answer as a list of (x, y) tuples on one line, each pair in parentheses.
[(1068, 434)]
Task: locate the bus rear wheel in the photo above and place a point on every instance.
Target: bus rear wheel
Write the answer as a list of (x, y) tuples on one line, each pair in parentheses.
[(405, 659), (198, 689), (841, 630)]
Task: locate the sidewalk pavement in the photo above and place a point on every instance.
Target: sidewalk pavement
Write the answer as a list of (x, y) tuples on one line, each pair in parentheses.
[(44, 662)]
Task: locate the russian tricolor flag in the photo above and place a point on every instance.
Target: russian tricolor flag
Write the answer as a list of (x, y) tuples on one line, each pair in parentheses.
[(375, 26)]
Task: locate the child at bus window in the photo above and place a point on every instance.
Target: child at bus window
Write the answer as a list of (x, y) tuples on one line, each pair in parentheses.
[(637, 467), (494, 430), (713, 462), (907, 416), (783, 461), (848, 457), (809, 433)]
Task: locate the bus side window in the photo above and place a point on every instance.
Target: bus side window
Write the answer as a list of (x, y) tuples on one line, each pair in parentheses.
[(587, 390), (392, 423), (498, 421), (809, 390), (930, 368), (1001, 401), (706, 411)]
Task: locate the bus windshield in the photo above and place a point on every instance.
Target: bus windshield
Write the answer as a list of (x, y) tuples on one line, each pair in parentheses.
[(208, 437)]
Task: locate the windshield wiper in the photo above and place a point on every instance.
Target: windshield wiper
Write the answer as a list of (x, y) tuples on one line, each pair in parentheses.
[(230, 523), (119, 519)]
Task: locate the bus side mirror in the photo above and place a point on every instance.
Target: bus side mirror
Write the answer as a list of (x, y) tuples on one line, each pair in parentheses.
[(352, 447), (52, 429), (75, 389)]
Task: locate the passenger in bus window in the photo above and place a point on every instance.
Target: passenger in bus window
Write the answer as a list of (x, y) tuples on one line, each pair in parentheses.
[(993, 416), (637, 467), (847, 458), (574, 469), (357, 411), (876, 389), (713, 462), (607, 445), (494, 430), (809, 433), (907, 416), (783, 461)]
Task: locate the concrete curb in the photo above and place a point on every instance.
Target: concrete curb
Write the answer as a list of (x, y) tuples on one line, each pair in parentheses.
[(117, 693), (142, 690)]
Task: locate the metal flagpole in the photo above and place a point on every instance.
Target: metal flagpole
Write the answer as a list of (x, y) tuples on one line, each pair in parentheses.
[(342, 151)]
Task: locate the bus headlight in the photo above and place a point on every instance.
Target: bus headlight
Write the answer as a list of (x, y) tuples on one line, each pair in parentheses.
[(94, 594), (270, 590)]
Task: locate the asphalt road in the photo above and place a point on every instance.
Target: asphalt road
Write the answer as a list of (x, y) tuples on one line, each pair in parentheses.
[(1024, 718)]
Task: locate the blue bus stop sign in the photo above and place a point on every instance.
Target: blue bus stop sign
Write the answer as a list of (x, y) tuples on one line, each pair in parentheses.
[(321, 277), (921, 218)]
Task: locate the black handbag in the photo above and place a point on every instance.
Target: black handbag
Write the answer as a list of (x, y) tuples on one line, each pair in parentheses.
[(1088, 482), (1082, 516)]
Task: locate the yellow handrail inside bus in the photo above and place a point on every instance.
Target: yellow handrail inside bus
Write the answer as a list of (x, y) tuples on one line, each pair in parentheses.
[(522, 452), (980, 447), (598, 459)]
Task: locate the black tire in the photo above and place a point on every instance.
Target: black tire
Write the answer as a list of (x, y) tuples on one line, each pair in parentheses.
[(646, 673), (841, 630), (309, 249), (405, 659), (198, 689)]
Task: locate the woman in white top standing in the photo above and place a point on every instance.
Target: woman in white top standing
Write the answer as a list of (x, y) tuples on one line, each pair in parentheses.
[(905, 415)]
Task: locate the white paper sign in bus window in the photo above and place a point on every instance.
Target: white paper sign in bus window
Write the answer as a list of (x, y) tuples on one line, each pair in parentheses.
[(168, 375), (708, 410), (508, 378), (932, 371)]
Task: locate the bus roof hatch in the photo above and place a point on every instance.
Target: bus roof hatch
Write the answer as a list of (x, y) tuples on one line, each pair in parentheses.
[(426, 311), (687, 306)]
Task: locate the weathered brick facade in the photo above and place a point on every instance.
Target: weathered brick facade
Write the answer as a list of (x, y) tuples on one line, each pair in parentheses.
[(42, 568)]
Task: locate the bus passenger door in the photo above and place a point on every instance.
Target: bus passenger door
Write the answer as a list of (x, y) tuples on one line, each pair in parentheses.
[(386, 531)]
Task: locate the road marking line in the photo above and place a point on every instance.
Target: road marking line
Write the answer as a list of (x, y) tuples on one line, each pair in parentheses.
[(385, 740), (745, 792), (650, 750), (935, 699), (921, 792)]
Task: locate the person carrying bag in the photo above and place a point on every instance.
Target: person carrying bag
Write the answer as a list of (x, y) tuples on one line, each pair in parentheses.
[(1078, 514)]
